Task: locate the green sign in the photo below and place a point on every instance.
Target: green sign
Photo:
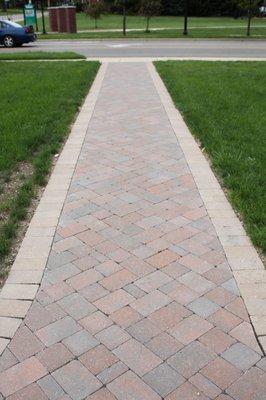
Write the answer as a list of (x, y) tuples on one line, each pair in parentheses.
[(29, 14)]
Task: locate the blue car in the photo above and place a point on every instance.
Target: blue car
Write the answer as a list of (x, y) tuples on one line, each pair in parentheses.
[(13, 34)]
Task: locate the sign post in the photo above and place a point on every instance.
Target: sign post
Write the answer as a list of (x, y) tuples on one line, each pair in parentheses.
[(30, 17), (6, 7)]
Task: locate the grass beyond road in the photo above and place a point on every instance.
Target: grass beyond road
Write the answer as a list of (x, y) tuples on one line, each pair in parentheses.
[(203, 33), (224, 106), (38, 102), (11, 11), (199, 27), (41, 55), (112, 21)]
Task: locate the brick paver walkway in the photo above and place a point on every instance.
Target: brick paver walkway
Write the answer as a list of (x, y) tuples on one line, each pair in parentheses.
[(137, 300)]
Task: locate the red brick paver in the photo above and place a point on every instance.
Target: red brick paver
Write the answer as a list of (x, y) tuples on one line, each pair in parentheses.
[(137, 301)]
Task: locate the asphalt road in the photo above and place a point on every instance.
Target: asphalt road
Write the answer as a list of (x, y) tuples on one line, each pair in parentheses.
[(153, 48)]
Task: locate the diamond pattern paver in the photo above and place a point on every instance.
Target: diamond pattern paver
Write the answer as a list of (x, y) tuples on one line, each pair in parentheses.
[(57, 331), (21, 375), (190, 329), (137, 357), (130, 386), (191, 359), (187, 391), (163, 379), (113, 336), (76, 380), (31, 392), (241, 356), (25, 344), (143, 330), (221, 373), (164, 345), (151, 302), (137, 301), (80, 342), (50, 387), (54, 356), (98, 359)]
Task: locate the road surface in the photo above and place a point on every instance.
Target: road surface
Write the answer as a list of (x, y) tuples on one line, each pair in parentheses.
[(153, 48)]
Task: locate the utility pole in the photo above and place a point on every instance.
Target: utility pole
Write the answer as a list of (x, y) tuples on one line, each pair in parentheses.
[(185, 31)]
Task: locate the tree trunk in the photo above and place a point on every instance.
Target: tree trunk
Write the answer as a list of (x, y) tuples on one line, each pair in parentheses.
[(249, 18), (124, 19), (148, 24), (95, 23), (185, 32), (43, 20)]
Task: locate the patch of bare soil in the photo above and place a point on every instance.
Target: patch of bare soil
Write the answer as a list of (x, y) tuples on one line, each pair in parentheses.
[(10, 189)]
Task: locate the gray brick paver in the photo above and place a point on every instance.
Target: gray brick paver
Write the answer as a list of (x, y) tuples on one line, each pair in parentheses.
[(136, 284)]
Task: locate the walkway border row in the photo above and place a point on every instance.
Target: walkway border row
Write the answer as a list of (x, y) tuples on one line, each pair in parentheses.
[(26, 273), (247, 267)]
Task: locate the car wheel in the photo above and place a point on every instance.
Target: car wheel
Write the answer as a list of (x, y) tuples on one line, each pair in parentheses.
[(9, 41)]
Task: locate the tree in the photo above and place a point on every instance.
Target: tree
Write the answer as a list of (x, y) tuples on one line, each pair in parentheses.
[(123, 4), (148, 9), (95, 11), (186, 5), (251, 7), (172, 7)]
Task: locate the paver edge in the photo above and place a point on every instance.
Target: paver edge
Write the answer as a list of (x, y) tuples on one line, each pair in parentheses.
[(207, 184), (35, 247)]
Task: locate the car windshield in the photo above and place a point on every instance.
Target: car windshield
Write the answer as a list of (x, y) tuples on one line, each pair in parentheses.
[(14, 24)]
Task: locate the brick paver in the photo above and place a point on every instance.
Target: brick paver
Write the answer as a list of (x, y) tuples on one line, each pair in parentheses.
[(137, 300)]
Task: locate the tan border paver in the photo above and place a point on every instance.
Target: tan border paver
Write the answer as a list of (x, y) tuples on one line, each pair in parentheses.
[(247, 267), (26, 273)]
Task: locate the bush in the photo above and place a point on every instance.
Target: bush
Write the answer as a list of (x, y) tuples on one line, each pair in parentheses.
[(176, 7)]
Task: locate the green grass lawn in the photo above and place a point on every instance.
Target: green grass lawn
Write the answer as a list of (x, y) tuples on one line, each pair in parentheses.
[(224, 106), (41, 55), (112, 21), (12, 11), (38, 102), (200, 27), (258, 33)]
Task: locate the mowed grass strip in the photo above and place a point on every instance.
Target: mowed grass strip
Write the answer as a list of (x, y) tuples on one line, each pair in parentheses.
[(196, 33), (41, 55), (224, 106), (38, 102)]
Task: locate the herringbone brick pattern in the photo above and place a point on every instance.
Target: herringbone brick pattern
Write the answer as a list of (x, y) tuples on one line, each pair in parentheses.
[(137, 301)]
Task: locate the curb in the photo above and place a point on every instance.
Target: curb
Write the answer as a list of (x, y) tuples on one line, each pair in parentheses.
[(26, 273), (247, 267), (151, 59)]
